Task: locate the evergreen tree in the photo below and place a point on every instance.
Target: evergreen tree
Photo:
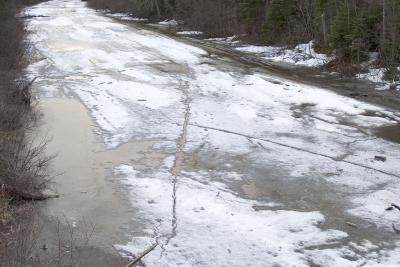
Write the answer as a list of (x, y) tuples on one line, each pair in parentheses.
[(278, 23), (250, 13), (348, 31)]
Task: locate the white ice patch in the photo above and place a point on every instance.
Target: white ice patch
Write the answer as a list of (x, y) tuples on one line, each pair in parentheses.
[(374, 257), (211, 226), (373, 207)]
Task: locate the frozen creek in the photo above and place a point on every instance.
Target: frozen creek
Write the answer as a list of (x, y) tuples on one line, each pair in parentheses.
[(252, 169)]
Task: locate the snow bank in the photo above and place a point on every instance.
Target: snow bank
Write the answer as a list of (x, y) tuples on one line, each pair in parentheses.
[(231, 40), (302, 54), (377, 75)]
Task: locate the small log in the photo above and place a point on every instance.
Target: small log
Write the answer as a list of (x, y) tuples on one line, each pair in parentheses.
[(395, 206), (352, 224), (380, 158), (137, 259), (21, 195)]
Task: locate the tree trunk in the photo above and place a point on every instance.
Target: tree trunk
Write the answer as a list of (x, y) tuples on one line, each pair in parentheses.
[(323, 22), (383, 24), (157, 8)]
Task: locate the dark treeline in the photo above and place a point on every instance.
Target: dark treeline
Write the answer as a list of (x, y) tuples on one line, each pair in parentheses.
[(349, 28)]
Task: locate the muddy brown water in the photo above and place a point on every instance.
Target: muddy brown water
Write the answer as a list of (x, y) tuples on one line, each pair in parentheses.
[(91, 202), (390, 133)]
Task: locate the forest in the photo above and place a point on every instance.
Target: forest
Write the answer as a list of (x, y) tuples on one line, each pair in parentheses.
[(349, 29)]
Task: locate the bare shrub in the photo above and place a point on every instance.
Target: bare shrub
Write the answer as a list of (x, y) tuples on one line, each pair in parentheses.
[(17, 244), (22, 164), (62, 242)]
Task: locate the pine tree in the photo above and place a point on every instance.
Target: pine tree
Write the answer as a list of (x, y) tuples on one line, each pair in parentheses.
[(278, 22), (348, 33), (251, 12)]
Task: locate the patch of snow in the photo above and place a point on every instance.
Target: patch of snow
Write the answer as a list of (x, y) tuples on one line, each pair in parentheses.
[(170, 23), (373, 207), (377, 75), (216, 227), (374, 75), (389, 258), (231, 40), (190, 33), (302, 54), (126, 17)]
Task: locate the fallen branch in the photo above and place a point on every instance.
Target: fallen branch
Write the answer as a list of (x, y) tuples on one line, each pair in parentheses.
[(33, 16), (395, 206), (352, 224), (137, 259), (20, 195)]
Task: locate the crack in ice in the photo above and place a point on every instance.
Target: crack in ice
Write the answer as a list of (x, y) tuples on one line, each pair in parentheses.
[(179, 155), (337, 159)]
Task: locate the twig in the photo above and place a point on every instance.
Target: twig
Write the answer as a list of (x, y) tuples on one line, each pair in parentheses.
[(395, 206), (352, 224), (397, 231), (137, 259)]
